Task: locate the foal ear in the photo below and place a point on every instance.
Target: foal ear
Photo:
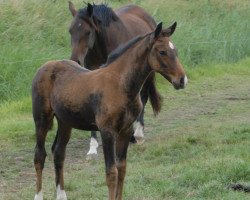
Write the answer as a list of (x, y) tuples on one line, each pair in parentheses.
[(158, 30), (90, 10), (72, 9), (170, 30)]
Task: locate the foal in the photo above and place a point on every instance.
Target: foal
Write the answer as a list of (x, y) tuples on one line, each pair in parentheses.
[(106, 99)]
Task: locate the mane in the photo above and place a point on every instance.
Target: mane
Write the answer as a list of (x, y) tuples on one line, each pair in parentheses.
[(124, 47), (102, 12)]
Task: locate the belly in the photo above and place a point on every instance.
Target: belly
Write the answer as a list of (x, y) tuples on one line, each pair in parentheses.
[(83, 119)]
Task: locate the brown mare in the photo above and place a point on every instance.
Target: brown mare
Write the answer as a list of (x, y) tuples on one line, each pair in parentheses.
[(107, 99), (95, 31)]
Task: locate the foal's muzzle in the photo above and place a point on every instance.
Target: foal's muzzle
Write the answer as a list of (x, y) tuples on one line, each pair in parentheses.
[(180, 84)]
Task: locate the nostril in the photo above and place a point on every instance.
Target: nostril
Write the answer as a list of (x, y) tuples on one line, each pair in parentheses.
[(78, 62)]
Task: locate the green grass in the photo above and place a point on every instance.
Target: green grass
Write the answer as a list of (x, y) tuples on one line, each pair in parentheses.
[(206, 29), (33, 32), (194, 149)]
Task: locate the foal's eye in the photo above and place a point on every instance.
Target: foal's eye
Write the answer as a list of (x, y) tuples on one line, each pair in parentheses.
[(162, 53)]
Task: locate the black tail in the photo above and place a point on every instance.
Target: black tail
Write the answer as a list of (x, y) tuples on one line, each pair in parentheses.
[(154, 96), (239, 187)]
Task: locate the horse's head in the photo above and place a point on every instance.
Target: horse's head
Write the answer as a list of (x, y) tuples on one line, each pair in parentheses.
[(82, 31), (163, 56)]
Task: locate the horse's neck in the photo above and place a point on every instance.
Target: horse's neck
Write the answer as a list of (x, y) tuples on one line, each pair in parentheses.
[(106, 41), (116, 34), (98, 54)]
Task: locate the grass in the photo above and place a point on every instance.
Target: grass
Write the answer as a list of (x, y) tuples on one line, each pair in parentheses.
[(33, 32), (206, 30), (194, 149)]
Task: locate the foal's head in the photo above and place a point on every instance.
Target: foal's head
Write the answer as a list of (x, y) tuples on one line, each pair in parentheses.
[(163, 56)]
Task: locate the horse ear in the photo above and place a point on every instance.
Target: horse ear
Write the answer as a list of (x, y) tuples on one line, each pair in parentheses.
[(170, 30), (158, 30), (72, 9), (90, 10)]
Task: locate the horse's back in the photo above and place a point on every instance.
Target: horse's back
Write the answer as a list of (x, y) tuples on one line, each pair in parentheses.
[(136, 19), (57, 89), (53, 71)]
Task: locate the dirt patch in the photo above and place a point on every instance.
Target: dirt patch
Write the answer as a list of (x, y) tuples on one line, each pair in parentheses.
[(237, 99)]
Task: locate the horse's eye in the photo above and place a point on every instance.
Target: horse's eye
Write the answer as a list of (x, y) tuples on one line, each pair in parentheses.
[(162, 53), (87, 33)]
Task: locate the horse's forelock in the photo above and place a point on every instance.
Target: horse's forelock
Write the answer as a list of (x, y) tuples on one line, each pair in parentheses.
[(101, 12)]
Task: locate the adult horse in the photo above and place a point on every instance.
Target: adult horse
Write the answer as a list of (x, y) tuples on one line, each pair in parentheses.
[(95, 31), (107, 99)]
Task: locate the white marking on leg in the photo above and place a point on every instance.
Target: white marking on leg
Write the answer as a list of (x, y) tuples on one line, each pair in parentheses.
[(60, 194), (185, 80), (39, 196), (139, 135), (171, 45), (93, 146)]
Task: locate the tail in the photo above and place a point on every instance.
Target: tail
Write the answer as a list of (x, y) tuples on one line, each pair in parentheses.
[(154, 96), (239, 187)]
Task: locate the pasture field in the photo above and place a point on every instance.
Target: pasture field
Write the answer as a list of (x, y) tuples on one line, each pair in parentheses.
[(195, 148)]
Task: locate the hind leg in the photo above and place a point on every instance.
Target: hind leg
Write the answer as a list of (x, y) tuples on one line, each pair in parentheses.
[(43, 124), (92, 146), (139, 128), (54, 143), (139, 123), (63, 136)]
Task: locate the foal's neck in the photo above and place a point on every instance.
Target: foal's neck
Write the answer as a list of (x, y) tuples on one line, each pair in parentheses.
[(134, 68)]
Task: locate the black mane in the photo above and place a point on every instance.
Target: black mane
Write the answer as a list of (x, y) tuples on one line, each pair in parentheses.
[(101, 12), (122, 48)]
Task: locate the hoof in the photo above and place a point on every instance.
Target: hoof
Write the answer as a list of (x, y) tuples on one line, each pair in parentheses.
[(140, 140), (139, 135), (39, 196), (92, 153), (60, 194)]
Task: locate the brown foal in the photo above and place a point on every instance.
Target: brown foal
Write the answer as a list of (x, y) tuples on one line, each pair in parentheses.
[(107, 99)]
